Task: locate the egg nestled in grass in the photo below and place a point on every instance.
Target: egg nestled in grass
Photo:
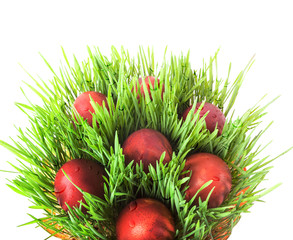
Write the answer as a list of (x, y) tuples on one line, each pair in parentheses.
[(203, 168), (83, 105), (145, 219), (215, 118), (85, 174), (146, 145), (151, 85)]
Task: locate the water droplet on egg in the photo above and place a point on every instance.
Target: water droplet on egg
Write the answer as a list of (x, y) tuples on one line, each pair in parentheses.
[(216, 178), (131, 223), (77, 169)]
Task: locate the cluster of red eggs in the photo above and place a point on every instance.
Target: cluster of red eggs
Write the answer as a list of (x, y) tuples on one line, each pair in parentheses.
[(145, 218)]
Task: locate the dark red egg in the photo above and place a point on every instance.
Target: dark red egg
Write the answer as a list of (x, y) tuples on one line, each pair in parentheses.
[(214, 118), (205, 167), (145, 219), (149, 80), (146, 145), (85, 174), (83, 105)]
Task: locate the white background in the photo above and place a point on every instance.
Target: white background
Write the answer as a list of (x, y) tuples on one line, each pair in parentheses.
[(240, 28)]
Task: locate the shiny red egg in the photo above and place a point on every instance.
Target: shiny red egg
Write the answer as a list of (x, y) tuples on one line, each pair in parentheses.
[(145, 219), (205, 167), (85, 174), (146, 145), (149, 81), (214, 119), (83, 106)]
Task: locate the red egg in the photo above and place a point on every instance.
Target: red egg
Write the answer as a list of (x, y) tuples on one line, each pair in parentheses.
[(83, 105), (205, 167), (85, 174), (145, 219), (146, 145), (214, 118), (148, 80)]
